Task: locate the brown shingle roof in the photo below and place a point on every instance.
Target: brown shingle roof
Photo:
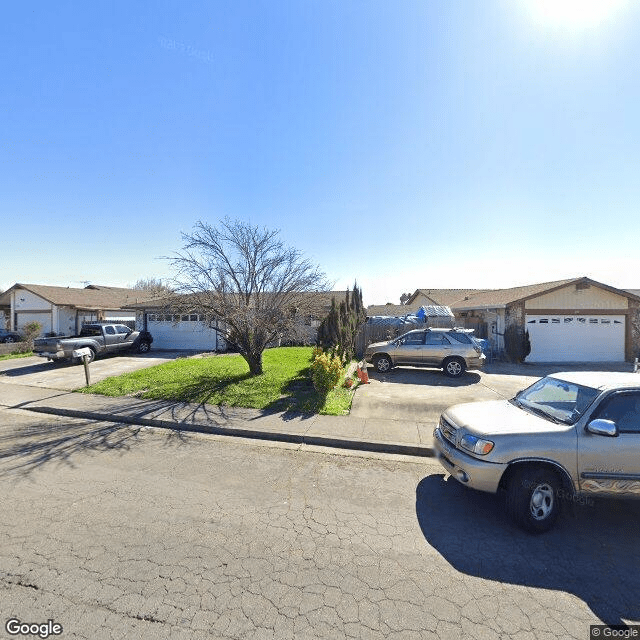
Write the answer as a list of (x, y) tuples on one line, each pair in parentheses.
[(460, 299), (445, 297), (92, 297), (501, 297), (322, 299)]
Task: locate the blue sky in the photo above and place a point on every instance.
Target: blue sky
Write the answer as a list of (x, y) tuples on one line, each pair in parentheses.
[(467, 143)]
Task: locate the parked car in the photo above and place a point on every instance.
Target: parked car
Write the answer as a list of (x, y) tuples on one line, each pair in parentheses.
[(452, 350), (567, 437), (9, 336), (99, 338)]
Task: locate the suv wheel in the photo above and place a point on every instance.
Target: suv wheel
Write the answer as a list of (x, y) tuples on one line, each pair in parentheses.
[(533, 499), (383, 364), (144, 346), (454, 367)]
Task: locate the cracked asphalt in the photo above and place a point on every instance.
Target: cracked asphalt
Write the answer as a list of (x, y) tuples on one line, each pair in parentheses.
[(120, 532)]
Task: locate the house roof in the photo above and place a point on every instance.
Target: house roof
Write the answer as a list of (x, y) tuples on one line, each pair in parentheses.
[(503, 297), (443, 297), (93, 297), (321, 299), (461, 299)]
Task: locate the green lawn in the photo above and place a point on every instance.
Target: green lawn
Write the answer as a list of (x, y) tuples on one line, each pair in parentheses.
[(11, 356), (284, 386)]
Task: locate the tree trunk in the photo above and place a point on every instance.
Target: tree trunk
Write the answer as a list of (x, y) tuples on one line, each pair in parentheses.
[(254, 360)]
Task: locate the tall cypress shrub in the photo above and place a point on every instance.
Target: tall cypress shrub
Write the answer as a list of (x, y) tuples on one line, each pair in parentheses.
[(338, 331)]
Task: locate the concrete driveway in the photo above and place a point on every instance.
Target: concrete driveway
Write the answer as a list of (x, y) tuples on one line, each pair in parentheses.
[(413, 394), (38, 372)]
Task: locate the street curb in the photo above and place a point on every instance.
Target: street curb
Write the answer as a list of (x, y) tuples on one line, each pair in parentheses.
[(293, 438)]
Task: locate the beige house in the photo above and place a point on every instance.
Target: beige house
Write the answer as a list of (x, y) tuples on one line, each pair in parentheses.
[(573, 320), (62, 310), (185, 326)]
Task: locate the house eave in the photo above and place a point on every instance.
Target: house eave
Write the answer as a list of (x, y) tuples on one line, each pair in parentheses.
[(485, 307)]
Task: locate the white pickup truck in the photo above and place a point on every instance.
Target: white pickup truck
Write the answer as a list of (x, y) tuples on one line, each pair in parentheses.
[(567, 437)]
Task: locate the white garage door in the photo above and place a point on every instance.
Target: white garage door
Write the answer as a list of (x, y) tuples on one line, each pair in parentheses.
[(576, 338), (43, 318), (184, 334)]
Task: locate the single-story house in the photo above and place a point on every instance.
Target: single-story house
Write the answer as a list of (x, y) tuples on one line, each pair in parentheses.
[(187, 327), (63, 310), (573, 320)]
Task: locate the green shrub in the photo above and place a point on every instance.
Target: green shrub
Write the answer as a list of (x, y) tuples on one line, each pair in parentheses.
[(326, 372), (30, 332), (516, 343)]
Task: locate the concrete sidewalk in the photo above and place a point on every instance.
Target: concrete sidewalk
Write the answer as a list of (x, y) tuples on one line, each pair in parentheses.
[(406, 437)]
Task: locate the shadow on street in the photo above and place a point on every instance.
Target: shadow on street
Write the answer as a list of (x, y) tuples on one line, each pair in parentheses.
[(25, 449), (593, 553)]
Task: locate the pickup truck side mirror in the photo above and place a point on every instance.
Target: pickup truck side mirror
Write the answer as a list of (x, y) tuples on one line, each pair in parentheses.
[(600, 427)]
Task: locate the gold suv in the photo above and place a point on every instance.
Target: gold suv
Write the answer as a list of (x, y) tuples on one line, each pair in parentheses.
[(452, 350)]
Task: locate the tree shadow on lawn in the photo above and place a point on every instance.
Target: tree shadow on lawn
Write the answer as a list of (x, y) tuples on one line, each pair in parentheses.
[(593, 551), (25, 449), (201, 389), (298, 398)]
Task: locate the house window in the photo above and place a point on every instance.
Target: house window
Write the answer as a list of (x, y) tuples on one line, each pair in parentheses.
[(568, 320), (582, 320)]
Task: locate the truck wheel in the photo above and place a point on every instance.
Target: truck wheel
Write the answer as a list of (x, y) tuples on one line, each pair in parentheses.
[(533, 499), (144, 347), (454, 367), (383, 364)]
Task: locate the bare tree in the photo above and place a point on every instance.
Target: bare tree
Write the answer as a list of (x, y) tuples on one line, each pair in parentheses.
[(154, 287), (245, 276)]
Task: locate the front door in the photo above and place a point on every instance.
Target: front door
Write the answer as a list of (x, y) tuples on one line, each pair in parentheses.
[(611, 465)]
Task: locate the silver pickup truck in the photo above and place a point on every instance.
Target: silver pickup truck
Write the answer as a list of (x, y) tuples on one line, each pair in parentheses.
[(99, 338), (567, 437)]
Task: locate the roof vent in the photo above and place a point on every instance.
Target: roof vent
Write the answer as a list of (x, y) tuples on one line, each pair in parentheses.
[(580, 286)]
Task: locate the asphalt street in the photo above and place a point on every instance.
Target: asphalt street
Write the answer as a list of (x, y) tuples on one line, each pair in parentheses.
[(114, 531)]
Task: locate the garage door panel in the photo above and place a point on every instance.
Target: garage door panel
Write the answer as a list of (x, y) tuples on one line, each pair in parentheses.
[(576, 338), (43, 319), (183, 335)]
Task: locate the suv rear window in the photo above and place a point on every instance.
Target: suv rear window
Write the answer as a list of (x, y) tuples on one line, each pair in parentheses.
[(460, 337)]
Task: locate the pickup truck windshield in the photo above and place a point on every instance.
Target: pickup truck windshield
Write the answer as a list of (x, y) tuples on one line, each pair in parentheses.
[(557, 399)]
